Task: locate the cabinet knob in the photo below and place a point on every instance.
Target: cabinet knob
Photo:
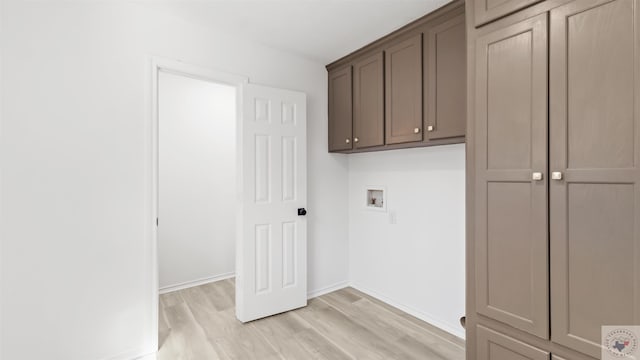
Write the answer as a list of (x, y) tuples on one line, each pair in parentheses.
[(347, 141), (430, 128), (536, 176), (356, 139), (416, 130), (556, 175)]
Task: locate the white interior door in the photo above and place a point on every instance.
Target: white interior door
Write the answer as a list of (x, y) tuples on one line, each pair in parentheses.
[(271, 275)]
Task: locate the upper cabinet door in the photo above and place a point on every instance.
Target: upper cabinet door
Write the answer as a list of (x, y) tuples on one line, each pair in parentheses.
[(445, 79), (487, 10), (511, 189), (340, 109), (403, 84), (368, 91), (595, 153)]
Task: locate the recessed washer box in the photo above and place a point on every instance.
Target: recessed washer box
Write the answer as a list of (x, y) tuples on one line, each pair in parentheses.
[(376, 198)]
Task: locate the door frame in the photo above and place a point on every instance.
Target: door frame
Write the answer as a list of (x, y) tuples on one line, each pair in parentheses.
[(176, 67)]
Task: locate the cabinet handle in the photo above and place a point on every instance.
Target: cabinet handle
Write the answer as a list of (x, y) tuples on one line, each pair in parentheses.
[(416, 130), (347, 141), (536, 176), (356, 139), (430, 128), (556, 175)]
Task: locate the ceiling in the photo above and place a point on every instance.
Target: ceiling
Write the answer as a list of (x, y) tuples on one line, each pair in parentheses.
[(322, 30)]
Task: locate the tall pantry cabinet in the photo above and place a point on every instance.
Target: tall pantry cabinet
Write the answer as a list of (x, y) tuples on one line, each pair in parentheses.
[(553, 169)]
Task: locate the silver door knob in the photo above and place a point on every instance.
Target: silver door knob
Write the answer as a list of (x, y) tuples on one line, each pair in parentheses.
[(347, 141), (356, 139), (536, 176), (416, 130), (556, 175), (430, 128)]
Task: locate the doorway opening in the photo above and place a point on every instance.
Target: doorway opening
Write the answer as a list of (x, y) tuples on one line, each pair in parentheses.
[(196, 181), (196, 117), (270, 192)]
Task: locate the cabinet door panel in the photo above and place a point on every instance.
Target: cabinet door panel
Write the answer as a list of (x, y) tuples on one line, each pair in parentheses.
[(511, 144), (340, 109), (403, 84), (595, 137), (487, 10), (493, 345), (445, 79), (368, 91)]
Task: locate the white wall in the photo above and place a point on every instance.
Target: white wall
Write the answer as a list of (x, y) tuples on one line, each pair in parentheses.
[(197, 178), (75, 155), (417, 263)]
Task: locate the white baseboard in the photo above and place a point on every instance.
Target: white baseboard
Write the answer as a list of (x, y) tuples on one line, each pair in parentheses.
[(325, 290), (198, 282), (455, 330), (134, 354), (152, 356)]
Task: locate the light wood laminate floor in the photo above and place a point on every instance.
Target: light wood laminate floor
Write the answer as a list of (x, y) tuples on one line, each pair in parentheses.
[(199, 323)]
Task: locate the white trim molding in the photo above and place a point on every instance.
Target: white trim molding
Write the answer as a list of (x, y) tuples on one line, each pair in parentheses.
[(327, 289), (133, 354), (455, 330), (152, 356), (197, 282)]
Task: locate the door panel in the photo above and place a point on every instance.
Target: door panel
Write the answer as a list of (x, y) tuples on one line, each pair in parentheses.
[(289, 168), (445, 79), (403, 91), (508, 128), (511, 144), (289, 241), (493, 345), (511, 241), (487, 10), (340, 110), (594, 134), (601, 122), (271, 251), (368, 111)]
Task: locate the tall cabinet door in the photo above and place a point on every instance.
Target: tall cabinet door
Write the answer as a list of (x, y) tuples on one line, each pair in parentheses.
[(511, 189), (340, 109), (595, 155), (403, 82), (368, 107)]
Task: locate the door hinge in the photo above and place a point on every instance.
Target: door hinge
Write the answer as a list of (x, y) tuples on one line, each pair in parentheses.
[(157, 222)]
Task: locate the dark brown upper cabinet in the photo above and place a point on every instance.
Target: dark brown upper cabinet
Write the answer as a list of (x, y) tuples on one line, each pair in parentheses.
[(488, 10), (407, 89), (445, 79), (368, 101), (403, 91), (340, 109)]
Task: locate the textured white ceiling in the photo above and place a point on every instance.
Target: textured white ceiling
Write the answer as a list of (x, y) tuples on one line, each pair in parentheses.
[(322, 30)]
